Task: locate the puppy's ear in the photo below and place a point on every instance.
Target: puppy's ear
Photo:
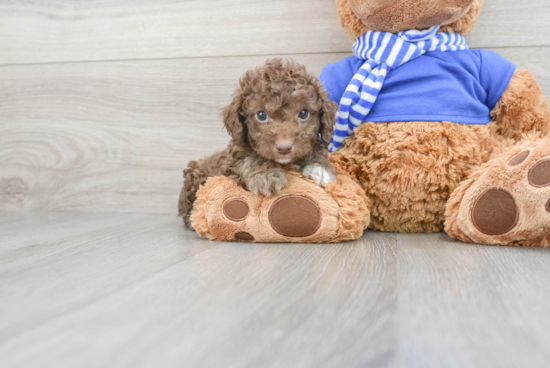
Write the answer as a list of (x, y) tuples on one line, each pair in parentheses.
[(233, 119), (327, 118)]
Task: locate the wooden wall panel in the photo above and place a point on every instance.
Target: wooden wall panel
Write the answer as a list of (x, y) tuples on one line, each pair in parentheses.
[(512, 23), (112, 136), (103, 103), (115, 136), (36, 31)]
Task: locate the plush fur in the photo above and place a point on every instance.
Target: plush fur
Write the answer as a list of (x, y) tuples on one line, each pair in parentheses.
[(343, 204), (533, 228), (412, 171), (409, 170), (280, 89), (398, 15), (430, 176)]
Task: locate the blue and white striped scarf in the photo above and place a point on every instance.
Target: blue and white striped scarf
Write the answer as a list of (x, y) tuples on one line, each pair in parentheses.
[(383, 52)]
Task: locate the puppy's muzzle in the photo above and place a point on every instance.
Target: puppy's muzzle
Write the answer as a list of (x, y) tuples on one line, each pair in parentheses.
[(284, 148)]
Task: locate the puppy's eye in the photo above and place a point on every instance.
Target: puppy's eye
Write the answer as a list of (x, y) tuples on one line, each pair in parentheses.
[(304, 114), (261, 115)]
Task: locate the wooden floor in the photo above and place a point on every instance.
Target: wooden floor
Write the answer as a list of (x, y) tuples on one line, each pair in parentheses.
[(119, 290), (102, 105)]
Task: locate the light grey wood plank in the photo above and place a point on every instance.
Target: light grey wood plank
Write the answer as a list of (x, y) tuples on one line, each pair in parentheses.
[(532, 58), (112, 137), (464, 305), (115, 136), (512, 23), (236, 304), (42, 284), (38, 235), (151, 293), (35, 31), (16, 233)]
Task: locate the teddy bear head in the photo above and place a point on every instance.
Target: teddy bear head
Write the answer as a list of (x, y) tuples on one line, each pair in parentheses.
[(360, 16)]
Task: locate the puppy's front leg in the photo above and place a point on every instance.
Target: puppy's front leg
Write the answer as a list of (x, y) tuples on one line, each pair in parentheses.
[(317, 167), (260, 176)]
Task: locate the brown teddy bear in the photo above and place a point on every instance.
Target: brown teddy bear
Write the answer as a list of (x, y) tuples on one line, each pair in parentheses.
[(438, 137)]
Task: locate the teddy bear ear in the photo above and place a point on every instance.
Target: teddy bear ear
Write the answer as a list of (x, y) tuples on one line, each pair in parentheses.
[(353, 26), (466, 24)]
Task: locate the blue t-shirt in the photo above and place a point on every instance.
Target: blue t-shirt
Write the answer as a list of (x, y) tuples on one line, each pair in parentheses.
[(455, 86)]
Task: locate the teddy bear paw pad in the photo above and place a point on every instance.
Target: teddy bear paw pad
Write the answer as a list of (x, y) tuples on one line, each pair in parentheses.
[(244, 236), (495, 212), (295, 216), (539, 175), (236, 210), (519, 158)]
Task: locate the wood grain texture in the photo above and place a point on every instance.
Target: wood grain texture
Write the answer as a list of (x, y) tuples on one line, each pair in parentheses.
[(38, 31), (511, 23), (465, 305), (85, 266), (19, 239), (90, 133), (147, 292), (34, 31), (115, 136), (135, 297)]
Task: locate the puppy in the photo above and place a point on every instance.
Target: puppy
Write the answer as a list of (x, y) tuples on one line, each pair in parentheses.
[(279, 115)]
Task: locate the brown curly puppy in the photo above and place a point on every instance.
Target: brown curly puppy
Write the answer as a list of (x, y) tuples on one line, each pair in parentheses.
[(279, 115)]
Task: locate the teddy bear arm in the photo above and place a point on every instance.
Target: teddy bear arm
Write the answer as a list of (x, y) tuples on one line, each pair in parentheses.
[(521, 109)]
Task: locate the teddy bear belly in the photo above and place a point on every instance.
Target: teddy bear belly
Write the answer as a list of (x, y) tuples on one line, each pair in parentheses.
[(409, 170)]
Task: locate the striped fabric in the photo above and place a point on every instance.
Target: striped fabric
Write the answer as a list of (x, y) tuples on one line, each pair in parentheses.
[(383, 52)]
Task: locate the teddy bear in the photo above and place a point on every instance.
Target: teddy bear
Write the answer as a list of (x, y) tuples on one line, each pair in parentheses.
[(430, 136)]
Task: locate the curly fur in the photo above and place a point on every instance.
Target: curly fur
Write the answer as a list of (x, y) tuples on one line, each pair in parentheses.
[(280, 88), (416, 174)]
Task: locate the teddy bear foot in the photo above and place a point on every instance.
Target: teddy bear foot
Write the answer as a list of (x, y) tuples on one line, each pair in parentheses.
[(302, 212), (506, 202), (295, 216)]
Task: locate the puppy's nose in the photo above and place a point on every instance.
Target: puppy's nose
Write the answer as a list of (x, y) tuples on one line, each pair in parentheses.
[(284, 148)]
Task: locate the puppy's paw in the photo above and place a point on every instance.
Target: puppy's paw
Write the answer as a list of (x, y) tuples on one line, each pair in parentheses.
[(320, 174), (267, 183)]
